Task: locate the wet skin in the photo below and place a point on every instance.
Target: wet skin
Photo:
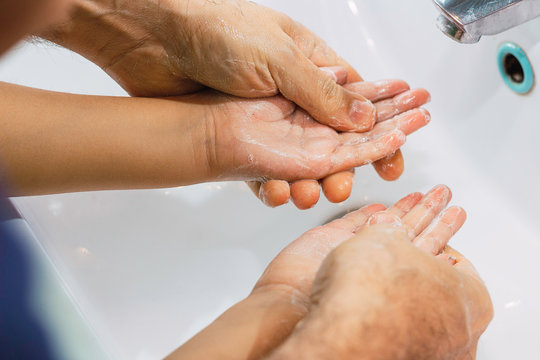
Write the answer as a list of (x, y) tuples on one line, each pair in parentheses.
[(316, 297), (158, 50), (391, 98)]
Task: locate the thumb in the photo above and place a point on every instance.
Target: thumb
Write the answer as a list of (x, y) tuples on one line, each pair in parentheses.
[(461, 263), (327, 102), (391, 167)]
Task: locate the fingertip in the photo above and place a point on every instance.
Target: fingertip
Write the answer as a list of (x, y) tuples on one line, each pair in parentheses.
[(413, 98), (462, 264), (413, 120), (391, 167), (450, 251), (454, 217), (427, 115), (305, 193), (275, 193), (450, 259), (424, 95), (338, 187), (440, 194)]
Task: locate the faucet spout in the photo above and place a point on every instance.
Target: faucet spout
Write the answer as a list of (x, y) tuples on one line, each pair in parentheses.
[(466, 21)]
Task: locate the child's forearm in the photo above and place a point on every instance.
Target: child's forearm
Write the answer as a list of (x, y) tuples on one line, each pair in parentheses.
[(249, 330), (53, 142)]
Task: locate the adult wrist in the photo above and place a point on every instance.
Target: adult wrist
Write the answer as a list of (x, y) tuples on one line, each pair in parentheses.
[(103, 30), (141, 44)]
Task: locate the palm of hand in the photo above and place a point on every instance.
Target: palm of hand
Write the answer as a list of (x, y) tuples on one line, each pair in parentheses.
[(297, 265), (274, 139)]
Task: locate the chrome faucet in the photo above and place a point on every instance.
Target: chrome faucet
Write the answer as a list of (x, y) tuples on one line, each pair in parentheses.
[(466, 21)]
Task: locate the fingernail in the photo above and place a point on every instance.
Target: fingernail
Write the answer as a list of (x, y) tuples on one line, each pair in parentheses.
[(454, 218), (451, 214), (426, 114), (452, 260), (412, 120), (439, 194), (363, 114)]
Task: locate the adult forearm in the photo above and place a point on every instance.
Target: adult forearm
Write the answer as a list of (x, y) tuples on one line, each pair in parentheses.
[(103, 30), (52, 142), (132, 40)]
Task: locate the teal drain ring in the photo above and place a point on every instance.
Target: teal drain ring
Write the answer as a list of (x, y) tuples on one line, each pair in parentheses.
[(511, 49)]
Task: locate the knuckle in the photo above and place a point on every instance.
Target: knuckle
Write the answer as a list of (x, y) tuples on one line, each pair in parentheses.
[(330, 95)]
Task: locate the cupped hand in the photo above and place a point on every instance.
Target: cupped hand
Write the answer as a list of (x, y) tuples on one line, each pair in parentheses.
[(395, 289), (274, 139), (297, 265), (387, 271), (172, 48), (391, 98)]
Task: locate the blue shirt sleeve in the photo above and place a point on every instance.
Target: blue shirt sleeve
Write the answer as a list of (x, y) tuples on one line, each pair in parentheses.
[(21, 334)]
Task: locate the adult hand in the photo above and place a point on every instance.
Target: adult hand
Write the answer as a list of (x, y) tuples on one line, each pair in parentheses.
[(385, 256), (164, 48), (394, 291), (297, 265)]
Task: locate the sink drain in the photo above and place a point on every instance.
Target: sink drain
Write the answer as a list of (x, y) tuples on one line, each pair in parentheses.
[(515, 68)]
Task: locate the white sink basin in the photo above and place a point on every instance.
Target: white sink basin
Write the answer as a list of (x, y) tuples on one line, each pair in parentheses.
[(148, 269)]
